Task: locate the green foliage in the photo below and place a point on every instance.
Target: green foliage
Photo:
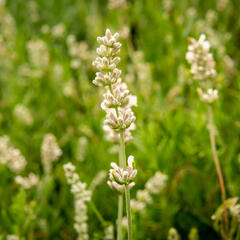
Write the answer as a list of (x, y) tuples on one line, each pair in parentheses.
[(171, 134)]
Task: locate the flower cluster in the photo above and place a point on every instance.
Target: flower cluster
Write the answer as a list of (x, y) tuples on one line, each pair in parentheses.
[(156, 183), (209, 97), (23, 114), (81, 196), (27, 182), (82, 146), (79, 51), (11, 156), (202, 62), (38, 56), (50, 151), (98, 179), (173, 234), (117, 4), (12, 237), (117, 100), (118, 177), (152, 187), (202, 67), (109, 232)]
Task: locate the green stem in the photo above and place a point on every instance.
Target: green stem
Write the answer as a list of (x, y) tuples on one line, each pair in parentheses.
[(128, 209), (127, 192), (214, 153), (122, 159), (120, 215), (98, 214), (211, 129)]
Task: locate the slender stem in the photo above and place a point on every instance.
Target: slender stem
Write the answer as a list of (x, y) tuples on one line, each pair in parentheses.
[(98, 214), (128, 209), (127, 192), (211, 129), (214, 153), (123, 162), (122, 158), (120, 215)]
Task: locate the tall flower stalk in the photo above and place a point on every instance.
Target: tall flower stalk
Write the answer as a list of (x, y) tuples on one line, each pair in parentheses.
[(119, 120), (203, 70)]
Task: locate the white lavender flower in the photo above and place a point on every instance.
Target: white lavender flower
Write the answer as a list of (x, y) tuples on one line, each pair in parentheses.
[(82, 148), (117, 4), (202, 62), (58, 30), (117, 100), (209, 97), (11, 156), (81, 196), (143, 198), (109, 232), (156, 183), (12, 237), (23, 114), (120, 121), (173, 234), (50, 151), (118, 177), (98, 179), (27, 182), (79, 51), (137, 206), (38, 56)]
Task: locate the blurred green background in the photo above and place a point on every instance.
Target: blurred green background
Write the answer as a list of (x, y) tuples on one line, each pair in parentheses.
[(171, 135)]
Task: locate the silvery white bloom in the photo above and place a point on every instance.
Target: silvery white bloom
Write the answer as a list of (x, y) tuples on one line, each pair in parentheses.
[(122, 121), (108, 78), (50, 151), (109, 232), (117, 4), (82, 148), (235, 211), (209, 97), (79, 51), (27, 182), (12, 237), (137, 206), (173, 234), (117, 100), (118, 177), (38, 56), (33, 10), (69, 89), (2, 3), (81, 196), (156, 183), (125, 222), (144, 196), (23, 114), (45, 29), (11, 156), (202, 62), (58, 30), (98, 179)]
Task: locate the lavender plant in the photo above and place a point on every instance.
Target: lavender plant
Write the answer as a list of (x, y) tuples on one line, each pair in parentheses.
[(119, 120), (203, 70)]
